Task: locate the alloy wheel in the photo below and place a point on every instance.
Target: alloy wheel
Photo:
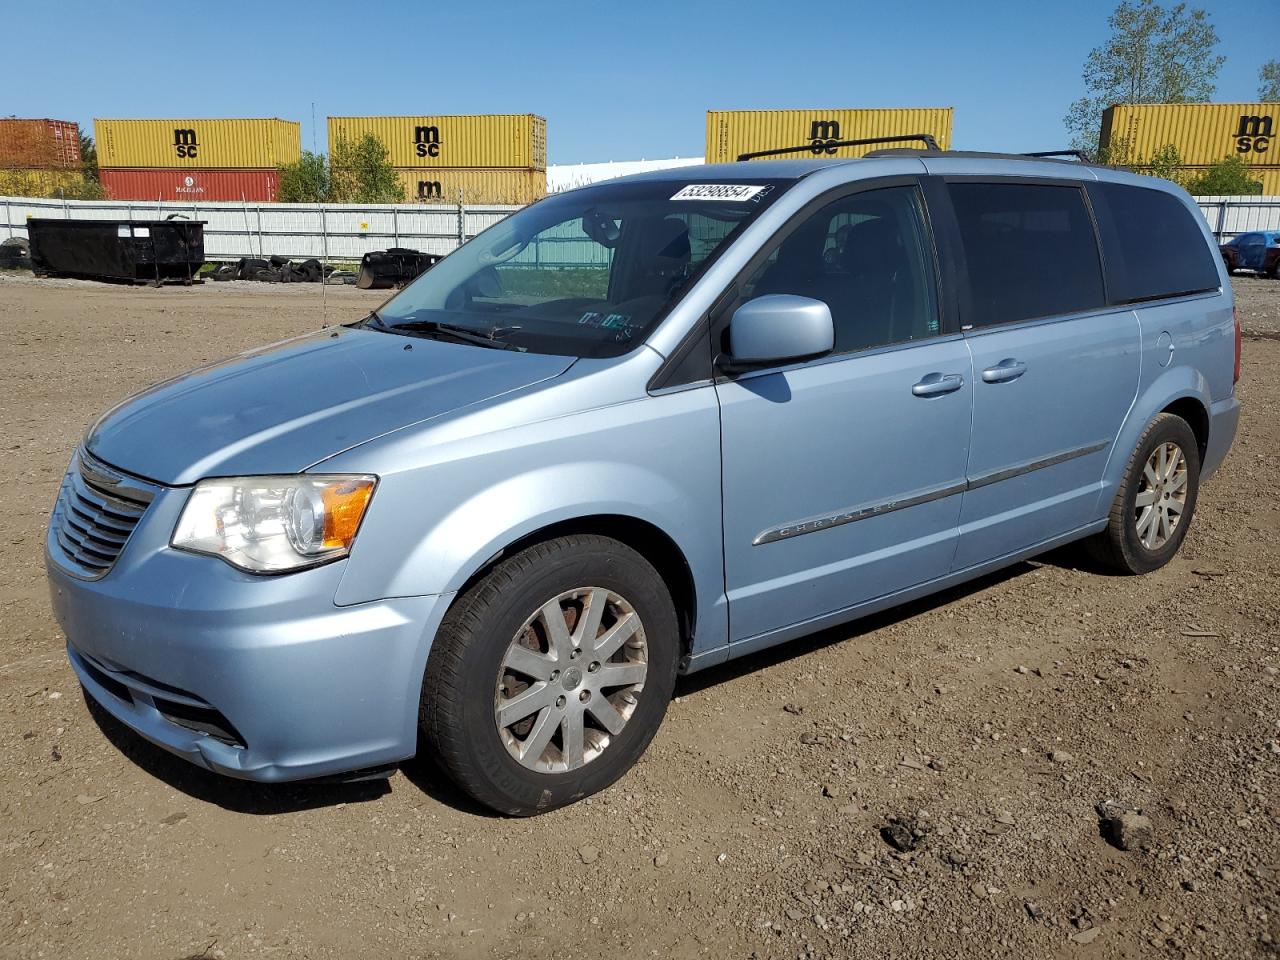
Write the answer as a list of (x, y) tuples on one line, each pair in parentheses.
[(1162, 496), (570, 679)]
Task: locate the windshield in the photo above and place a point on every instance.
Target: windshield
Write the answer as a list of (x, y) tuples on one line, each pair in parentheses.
[(586, 273)]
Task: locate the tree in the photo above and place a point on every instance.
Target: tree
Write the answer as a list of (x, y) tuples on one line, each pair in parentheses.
[(360, 172), (1269, 81), (1154, 55), (306, 180), (1226, 178), (88, 155)]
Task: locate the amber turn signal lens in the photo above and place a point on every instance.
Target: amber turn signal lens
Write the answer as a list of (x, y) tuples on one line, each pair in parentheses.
[(344, 505)]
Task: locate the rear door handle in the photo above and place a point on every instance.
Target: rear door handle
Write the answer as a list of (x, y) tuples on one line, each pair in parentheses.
[(936, 384), (1004, 371)]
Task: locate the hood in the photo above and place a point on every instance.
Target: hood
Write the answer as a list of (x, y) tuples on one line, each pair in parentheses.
[(288, 406)]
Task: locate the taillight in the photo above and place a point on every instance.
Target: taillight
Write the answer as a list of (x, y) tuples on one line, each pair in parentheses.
[(1235, 312)]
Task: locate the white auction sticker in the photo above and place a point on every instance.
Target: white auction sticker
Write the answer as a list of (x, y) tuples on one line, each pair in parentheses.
[(718, 191)]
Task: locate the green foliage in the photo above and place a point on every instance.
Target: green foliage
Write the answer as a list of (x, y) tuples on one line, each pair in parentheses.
[(356, 172), (88, 158), (360, 172), (85, 189), (1154, 55), (306, 180), (1226, 178), (1269, 81)]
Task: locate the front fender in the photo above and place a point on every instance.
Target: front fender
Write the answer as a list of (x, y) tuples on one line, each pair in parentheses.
[(443, 509)]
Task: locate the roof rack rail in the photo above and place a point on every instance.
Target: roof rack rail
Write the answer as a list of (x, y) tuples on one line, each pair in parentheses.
[(818, 147), (1046, 154)]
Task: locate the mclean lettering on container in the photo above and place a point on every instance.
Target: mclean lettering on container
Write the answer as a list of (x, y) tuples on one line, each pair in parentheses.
[(1203, 133), (734, 132), (192, 186), (481, 140), (39, 144), (197, 144), (483, 185)]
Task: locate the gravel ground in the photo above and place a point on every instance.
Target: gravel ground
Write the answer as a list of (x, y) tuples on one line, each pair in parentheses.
[(982, 726)]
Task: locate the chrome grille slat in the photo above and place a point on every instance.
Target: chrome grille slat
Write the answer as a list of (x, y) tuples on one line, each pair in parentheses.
[(114, 527), (117, 508), (97, 510)]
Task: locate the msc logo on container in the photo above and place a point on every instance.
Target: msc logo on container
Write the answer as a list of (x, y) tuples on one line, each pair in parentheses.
[(822, 133), (429, 189), (185, 144), (426, 141), (1254, 134)]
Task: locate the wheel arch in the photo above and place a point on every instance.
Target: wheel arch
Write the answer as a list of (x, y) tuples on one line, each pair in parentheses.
[(1182, 391), (1196, 414), (645, 538)]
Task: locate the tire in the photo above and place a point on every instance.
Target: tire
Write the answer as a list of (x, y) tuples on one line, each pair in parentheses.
[(469, 675), (1125, 546)]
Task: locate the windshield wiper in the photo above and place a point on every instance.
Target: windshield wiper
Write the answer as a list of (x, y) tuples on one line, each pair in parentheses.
[(461, 334)]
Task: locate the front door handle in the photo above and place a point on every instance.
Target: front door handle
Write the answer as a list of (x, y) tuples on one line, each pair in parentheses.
[(936, 384), (1004, 371)]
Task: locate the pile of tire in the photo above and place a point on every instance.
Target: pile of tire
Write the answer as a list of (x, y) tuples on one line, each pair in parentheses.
[(15, 254), (276, 269)]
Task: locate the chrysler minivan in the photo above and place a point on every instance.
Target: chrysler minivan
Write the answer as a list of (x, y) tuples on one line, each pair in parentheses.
[(631, 431)]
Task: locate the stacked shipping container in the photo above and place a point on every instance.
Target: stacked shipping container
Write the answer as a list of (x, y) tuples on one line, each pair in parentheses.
[(194, 160), (734, 132), (1202, 133), (487, 158), (39, 158)]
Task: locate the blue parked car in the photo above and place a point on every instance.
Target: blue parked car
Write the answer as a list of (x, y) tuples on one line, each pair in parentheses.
[(632, 431), (1258, 251)]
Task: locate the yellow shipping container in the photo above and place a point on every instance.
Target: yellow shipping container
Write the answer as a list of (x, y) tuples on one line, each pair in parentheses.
[(41, 183), (1203, 133), (201, 144), (481, 140), (483, 185), (734, 132)]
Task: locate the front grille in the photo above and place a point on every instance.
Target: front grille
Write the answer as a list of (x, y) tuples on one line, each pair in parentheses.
[(97, 509)]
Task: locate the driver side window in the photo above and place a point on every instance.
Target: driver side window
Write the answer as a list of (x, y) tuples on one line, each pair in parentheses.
[(869, 258)]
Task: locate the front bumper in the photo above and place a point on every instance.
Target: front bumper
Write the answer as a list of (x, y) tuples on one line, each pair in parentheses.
[(271, 679)]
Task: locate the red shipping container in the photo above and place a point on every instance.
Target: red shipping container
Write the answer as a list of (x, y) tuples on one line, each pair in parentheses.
[(191, 186), (39, 144)]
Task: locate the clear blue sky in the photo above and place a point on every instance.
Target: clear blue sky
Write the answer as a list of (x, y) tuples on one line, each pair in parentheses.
[(615, 81)]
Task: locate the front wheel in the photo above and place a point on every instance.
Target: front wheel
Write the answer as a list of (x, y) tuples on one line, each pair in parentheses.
[(549, 676), (1156, 500)]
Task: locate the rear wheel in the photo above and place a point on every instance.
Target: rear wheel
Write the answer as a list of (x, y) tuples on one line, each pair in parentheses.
[(550, 676), (1156, 500)]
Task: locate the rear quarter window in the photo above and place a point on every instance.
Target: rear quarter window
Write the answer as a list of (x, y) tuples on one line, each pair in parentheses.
[(1030, 251), (1153, 245)]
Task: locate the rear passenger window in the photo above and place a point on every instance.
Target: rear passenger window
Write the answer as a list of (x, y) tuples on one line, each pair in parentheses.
[(1153, 244), (1030, 251), (869, 258)]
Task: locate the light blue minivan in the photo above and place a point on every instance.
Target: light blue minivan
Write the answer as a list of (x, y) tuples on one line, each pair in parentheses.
[(631, 431)]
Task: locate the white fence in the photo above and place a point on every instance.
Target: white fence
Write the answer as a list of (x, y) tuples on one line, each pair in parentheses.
[(294, 230), (348, 231), (1230, 216)]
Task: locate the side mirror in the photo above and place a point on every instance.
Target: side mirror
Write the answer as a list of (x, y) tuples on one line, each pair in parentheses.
[(777, 328)]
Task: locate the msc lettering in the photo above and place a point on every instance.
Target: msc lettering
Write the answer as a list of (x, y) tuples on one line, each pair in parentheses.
[(426, 141), (185, 144), (1253, 135)]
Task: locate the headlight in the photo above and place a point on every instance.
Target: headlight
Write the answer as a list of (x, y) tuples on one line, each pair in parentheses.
[(274, 524)]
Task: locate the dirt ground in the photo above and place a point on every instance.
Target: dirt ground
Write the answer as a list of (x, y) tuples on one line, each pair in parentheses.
[(991, 718)]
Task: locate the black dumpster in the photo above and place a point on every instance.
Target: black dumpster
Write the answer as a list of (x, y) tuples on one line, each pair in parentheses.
[(384, 269), (135, 251)]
